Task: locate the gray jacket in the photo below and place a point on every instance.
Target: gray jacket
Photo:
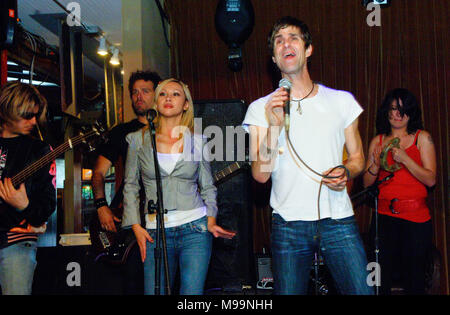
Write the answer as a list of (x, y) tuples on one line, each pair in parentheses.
[(189, 186)]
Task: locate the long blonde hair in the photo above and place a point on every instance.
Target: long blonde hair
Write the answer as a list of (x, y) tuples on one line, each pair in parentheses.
[(187, 118)]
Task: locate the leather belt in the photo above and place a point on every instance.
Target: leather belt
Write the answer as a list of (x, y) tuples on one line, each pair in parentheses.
[(397, 206)]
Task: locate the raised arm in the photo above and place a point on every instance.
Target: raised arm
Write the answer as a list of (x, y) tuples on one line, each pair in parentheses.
[(426, 173), (373, 163), (263, 150), (264, 140)]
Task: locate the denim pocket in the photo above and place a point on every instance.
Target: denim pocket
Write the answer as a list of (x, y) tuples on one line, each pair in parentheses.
[(152, 233), (200, 225), (344, 221), (277, 220)]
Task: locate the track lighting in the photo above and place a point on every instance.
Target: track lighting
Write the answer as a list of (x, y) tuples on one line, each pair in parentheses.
[(115, 58), (102, 50)]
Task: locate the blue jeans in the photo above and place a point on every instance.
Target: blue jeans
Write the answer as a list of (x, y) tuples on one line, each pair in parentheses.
[(189, 249), (17, 264), (293, 247)]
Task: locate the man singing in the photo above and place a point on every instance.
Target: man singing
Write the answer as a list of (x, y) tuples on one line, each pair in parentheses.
[(298, 151)]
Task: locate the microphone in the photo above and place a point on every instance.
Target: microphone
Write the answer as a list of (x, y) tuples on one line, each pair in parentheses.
[(151, 114), (286, 84), (372, 189)]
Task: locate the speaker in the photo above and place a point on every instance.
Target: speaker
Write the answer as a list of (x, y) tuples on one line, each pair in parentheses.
[(231, 264), (72, 270), (8, 22), (381, 3)]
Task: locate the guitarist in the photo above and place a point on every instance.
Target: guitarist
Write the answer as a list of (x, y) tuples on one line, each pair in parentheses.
[(141, 86), (24, 209)]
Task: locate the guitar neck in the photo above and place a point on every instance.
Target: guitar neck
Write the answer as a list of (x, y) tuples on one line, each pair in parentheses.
[(230, 169), (48, 158)]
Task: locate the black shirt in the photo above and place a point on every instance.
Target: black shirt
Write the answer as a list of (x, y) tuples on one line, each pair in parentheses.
[(8, 150), (15, 154), (116, 145)]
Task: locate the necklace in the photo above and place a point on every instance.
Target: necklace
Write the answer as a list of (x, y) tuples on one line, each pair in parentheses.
[(299, 107)]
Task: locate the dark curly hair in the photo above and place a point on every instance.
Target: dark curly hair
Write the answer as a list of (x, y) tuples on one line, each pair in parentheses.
[(143, 75), (410, 108)]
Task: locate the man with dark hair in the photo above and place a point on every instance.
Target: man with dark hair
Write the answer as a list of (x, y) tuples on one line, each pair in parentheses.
[(300, 150), (142, 85), (25, 209), (146, 76), (285, 22)]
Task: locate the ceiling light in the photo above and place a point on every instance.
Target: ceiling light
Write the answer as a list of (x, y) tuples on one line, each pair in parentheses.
[(102, 50), (115, 58)]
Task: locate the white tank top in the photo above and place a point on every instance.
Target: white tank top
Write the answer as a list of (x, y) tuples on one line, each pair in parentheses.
[(167, 161)]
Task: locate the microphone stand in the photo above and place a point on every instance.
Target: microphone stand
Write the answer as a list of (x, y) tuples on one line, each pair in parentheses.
[(159, 208), (373, 191)]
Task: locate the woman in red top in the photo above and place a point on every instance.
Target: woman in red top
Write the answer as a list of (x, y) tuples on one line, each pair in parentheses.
[(405, 231)]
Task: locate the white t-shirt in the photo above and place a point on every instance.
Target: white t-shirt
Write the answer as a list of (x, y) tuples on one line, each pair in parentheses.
[(318, 137)]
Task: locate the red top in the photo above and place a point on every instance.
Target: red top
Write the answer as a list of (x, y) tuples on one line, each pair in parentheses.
[(404, 186)]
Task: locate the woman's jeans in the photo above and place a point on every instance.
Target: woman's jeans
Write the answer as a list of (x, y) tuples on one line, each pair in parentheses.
[(295, 242), (17, 265), (189, 249)]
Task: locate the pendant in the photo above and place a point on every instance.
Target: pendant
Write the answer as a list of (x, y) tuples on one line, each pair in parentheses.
[(299, 108)]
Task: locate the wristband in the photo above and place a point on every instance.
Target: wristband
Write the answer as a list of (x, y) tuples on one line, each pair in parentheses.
[(100, 203), (371, 172), (347, 172)]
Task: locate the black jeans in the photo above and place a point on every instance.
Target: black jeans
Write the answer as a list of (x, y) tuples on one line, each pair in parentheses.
[(404, 248)]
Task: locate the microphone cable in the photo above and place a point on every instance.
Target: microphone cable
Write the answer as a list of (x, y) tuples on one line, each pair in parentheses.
[(347, 172)]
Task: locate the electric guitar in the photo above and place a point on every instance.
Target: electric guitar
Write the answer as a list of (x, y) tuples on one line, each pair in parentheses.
[(114, 247), (31, 169)]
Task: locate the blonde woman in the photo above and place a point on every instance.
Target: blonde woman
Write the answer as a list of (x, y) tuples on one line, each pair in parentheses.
[(187, 186)]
